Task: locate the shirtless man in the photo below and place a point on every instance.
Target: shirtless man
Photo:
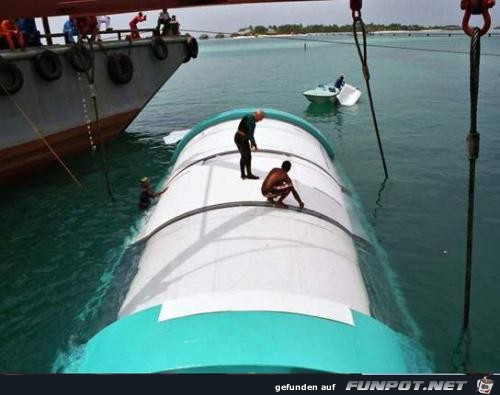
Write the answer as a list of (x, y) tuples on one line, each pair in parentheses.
[(278, 185)]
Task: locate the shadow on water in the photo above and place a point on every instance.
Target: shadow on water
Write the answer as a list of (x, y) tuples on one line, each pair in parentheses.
[(328, 113), (321, 110)]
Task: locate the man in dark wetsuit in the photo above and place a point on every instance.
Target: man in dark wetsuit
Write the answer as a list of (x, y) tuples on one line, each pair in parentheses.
[(243, 138), (278, 185), (146, 194)]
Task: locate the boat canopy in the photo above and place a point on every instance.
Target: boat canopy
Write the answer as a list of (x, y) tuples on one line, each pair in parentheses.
[(43, 8)]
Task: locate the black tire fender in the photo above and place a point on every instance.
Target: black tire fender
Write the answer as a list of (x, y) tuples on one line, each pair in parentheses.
[(192, 49), (120, 68), (160, 48), (48, 65), (11, 78), (80, 58)]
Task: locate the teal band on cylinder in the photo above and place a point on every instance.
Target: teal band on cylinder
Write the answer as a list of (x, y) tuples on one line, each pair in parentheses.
[(244, 342), (238, 113)]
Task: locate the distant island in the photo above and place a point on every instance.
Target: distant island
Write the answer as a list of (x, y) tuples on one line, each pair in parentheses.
[(291, 29), (301, 29)]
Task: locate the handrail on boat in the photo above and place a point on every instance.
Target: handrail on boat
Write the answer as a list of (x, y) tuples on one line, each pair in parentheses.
[(118, 32), (61, 49)]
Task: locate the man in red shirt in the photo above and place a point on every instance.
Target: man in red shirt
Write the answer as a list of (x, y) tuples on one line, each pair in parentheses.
[(9, 31), (133, 25), (86, 25)]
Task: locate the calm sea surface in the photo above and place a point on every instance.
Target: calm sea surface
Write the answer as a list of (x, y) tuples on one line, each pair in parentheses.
[(62, 269)]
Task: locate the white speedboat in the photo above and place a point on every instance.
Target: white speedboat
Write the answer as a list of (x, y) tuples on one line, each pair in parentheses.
[(322, 94), (326, 93)]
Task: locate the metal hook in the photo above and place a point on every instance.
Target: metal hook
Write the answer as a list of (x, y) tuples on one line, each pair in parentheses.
[(476, 7), (356, 6)]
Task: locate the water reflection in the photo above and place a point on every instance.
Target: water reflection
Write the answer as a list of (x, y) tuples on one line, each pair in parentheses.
[(322, 110), (327, 113)]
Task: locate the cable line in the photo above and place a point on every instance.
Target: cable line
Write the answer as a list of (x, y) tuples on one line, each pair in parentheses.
[(384, 46), (93, 94), (471, 7), (363, 56), (39, 133)]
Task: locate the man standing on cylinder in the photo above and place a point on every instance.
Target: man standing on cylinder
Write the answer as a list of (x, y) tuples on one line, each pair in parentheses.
[(243, 138)]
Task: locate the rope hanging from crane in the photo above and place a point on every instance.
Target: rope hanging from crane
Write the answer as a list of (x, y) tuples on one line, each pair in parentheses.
[(471, 7), (40, 135), (93, 94), (363, 56)]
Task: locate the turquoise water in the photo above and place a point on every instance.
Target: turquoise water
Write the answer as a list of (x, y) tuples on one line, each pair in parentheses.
[(61, 248)]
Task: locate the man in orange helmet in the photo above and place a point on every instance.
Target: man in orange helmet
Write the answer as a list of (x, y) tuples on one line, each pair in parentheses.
[(10, 32)]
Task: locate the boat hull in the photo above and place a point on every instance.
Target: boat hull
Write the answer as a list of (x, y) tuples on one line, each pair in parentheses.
[(320, 99), (348, 96), (322, 94), (34, 156), (63, 111)]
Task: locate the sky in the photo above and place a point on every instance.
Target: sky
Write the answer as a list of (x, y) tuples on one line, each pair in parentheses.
[(232, 18)]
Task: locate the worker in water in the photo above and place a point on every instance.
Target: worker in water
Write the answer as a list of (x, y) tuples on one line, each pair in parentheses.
[(31, 34), (163, 21), (146, 194), (11, 34), (278, 185), (70, 30), (340, 82), (245, 141), (133, 25)]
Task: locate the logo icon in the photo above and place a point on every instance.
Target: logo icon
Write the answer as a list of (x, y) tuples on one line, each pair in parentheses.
[(484, 385)]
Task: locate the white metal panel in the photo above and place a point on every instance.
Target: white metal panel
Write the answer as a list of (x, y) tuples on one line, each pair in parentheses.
[(175, 136), (248, 249), (255, 301), (349, 95), (218, 181)]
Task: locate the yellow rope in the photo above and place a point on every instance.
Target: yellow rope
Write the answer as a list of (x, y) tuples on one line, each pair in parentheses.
[(41, 136)]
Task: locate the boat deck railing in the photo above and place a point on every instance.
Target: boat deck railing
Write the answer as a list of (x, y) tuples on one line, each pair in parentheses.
[(117, 42), (121, 34)]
